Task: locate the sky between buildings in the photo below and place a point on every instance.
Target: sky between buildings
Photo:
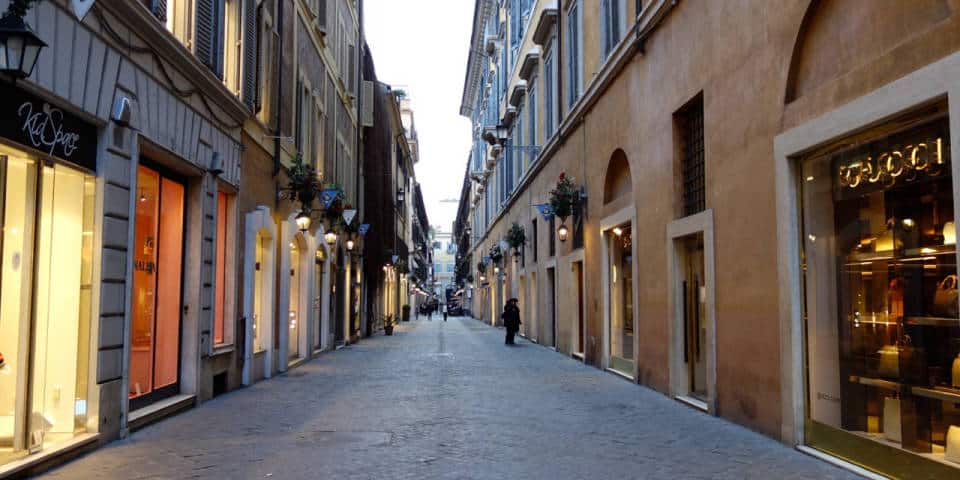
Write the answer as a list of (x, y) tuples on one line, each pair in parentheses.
[(421, 46)]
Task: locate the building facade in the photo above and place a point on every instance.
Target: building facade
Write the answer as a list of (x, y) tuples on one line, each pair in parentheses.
[(710, 151), (147, 164)]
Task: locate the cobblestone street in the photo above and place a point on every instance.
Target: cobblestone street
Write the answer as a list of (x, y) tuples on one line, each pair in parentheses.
[(444, 400)]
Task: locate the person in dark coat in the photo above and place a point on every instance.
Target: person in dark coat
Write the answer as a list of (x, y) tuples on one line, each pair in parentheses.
[(511, 320)]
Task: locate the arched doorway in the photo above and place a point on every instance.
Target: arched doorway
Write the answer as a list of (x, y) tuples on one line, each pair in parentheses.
[(617, 230)]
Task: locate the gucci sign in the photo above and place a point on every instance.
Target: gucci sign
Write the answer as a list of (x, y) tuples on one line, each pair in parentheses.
[(907, 163), (36, 123)]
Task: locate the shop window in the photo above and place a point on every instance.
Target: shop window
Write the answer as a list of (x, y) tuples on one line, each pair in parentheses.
[(883, 327), (45, 288), (259, 308), (689, 122), (620, 270), (156, 290), (223, 283)]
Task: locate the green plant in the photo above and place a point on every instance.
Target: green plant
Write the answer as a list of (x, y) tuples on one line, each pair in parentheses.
[(482, 268), (470, 278), (516, 236), (304, 182), (496, 255), (563, 197), (19, 8)]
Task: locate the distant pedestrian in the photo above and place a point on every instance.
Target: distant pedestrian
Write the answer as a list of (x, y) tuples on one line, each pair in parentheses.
[(430, 312), (444, 312), (511, 320)]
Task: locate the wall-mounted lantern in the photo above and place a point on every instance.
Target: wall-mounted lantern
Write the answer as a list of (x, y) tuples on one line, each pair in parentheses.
[(19, 46)]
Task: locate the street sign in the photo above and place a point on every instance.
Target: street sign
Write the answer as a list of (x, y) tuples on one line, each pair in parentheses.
[(81, 7)]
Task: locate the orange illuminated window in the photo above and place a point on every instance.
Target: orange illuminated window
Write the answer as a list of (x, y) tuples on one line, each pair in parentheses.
[(220, 281)]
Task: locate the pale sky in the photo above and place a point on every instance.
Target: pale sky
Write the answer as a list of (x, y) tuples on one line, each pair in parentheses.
[(421, 46)]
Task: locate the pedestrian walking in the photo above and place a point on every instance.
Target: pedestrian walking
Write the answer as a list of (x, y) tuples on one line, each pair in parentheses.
[(511, 320), (430, 312), (444, 312)]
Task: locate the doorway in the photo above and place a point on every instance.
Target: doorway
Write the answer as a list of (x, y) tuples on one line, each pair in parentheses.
[(157, 288), (694, 296), (552, 306), (620, 291), (318, 272), (296, 313), (580, 331)]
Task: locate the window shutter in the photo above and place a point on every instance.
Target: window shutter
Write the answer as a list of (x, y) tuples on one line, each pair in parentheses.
[(159, 9), (204, 37), (352, 67), (322, 14), (366, 100), (250, 35)]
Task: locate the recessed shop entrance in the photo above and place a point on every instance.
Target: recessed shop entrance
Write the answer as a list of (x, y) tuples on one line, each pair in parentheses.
[(157, 288)]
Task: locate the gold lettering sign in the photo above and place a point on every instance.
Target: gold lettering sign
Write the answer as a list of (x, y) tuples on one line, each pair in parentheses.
[(886, 168)]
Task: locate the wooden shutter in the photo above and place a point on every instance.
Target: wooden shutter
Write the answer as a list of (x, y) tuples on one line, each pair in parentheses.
[(159, 9), (250, 34), (322, 14), (366, 101), (203, 37), (352, 67)]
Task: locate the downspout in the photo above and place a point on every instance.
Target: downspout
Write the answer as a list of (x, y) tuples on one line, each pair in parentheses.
[(361, 46), (279, 78)]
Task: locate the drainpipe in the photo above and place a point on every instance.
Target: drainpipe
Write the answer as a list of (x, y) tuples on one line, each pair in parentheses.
[(279, 79)]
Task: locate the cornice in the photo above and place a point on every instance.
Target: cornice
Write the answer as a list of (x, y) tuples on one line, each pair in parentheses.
[(141, 23)]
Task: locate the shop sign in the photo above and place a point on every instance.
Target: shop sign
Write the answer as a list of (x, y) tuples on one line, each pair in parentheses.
[(34, 122), (887, 167)]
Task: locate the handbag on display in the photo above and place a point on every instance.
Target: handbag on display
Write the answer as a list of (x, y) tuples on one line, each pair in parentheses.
[(889, 361), (955, 372), (945, 298), (891, 419), (953, 444)]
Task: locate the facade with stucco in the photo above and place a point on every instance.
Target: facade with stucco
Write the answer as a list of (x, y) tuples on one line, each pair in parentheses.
[(690, 138)]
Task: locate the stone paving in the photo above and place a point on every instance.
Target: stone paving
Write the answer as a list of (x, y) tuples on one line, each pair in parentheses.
[(445, 400)]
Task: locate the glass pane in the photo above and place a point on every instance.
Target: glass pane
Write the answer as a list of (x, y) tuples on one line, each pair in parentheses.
[(258, 294), (293, 328), (221, 276), (62, 316), (883, 341), (169, 265), (19, 181), (621, 301), (144, 283), (695, 297)]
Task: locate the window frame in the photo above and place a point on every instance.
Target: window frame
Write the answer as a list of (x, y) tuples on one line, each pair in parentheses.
[(574, 52), (225, 281)]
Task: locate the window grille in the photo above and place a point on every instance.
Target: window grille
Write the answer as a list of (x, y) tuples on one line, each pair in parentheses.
[(690, 121)]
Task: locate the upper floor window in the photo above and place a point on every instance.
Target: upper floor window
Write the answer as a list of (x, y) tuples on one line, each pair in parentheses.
[(574, 43), (549, 93), (689, 127), (612, 14), (532, 121)]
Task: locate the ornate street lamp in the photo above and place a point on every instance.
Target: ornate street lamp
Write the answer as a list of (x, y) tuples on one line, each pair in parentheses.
[(19, 46), (303, 220), (330, 237), (562, 232), (350, 245)]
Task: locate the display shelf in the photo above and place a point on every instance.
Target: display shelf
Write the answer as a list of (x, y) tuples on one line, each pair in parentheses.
[(933, 321), (876, 382), (930, 251), (938, 393)]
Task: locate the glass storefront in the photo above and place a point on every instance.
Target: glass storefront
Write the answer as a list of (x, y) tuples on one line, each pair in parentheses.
[(621, 299), (294, 316), (46, 250), (157, 279), (694, 291), (882, 321)]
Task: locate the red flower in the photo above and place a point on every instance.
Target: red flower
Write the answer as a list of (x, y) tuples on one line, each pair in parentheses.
[(563, 175)]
